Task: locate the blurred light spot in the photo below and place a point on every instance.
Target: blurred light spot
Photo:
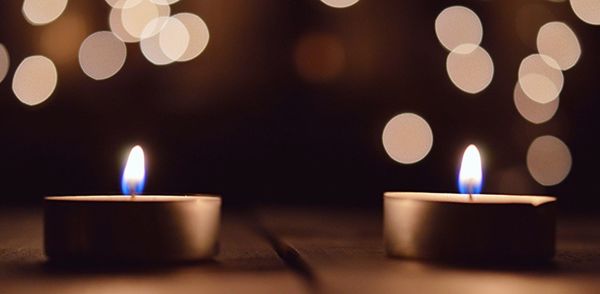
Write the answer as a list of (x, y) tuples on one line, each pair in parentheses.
[(4, 62), (174, 39), (102, 55), (587, 10), (34, 80), (60, 41), (339, 3), (539, 80), (198, 35), (319, 57), (458, 25), (41, 12), (164, 2), (470, 68), (123, 3), (548, 160), (532, 111), (116, 26), (407, 138), (164, 40), (557, 40), (136, 18), (150, 43)]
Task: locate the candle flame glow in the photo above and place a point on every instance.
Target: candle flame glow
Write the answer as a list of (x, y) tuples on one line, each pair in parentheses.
[(134, 173), (470, 175)]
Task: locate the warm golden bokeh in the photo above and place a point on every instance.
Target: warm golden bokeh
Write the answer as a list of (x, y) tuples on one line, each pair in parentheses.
[(540, 81), (407, 138), (458, 25), (470, 68), (587, 10), (339, 3), (60, 40), (198, 35), (548, 160), (165, 2), (116, 26), (150, 43), (34, 80), (174, 39), (136, 18), (123, 3), (102, 55), (558, 41), (531, 110), (319, 57), (41, 12), (4, 62), (164, 40)]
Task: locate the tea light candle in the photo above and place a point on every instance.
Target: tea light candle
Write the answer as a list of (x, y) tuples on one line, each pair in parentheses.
[(132, 228), (469, 227)]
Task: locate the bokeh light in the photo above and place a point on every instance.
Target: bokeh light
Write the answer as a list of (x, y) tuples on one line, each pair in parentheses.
[(41, 12), (4, 62), (539, 80), (34, 80), (135, 19), (470, 68), (548, 160), (165, 2), (587, 10), (174, 38), (150, 43), (116, 26), (164, 40), (557, 40), (458, 25), (198, 35), (102, 55), (531, 110), (407, 138), (319, 57), (339, 3), (123, 3)]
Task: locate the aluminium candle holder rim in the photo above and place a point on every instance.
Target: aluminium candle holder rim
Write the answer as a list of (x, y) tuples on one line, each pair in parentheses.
[(459, 231), (479, 199), (117, 229), (153, 198)]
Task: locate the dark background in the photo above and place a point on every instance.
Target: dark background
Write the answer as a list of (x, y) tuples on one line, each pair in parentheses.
[(239, 120)]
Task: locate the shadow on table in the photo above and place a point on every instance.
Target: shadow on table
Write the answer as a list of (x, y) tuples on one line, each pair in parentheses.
[(74, 267), (63, 269)]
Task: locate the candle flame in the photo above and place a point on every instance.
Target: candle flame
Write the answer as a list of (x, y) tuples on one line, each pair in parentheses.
[(134, 173), (470, 175)]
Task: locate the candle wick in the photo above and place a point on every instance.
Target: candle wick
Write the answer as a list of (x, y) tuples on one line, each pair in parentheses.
[(470, 189), (132, 191)]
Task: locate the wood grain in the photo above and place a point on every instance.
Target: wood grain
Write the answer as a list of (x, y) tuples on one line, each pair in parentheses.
[(297, 250), (343, 251)]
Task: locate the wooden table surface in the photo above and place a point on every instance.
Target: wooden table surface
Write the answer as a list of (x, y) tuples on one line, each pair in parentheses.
[(297, 250)]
